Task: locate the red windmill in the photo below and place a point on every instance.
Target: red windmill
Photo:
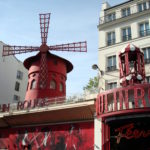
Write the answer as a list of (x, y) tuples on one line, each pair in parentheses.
[(47, 72)]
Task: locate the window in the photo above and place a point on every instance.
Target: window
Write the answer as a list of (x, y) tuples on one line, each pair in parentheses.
[(146, 55), (142, 6), (126, 12), (111, 85), (19, 75), (144, 29), (148, 79), (126, 34), (16, 98), (17, 86), (33, 84), (111, 38), (52, 84), (61, 87), (111, 63), (110, 17)]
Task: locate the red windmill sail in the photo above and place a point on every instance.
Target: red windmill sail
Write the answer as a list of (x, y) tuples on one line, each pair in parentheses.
[(44, 26)]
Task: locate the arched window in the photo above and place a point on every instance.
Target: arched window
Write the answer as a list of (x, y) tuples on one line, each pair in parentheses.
[(33, 84), (52, 84), (61, 87)]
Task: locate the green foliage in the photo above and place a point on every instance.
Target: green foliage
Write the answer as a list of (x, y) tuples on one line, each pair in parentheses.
[(92, 85)]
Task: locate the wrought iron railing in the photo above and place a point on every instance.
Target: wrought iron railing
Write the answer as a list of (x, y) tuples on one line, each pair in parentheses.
[(144, 33), (119, 15), (111, 68), (126, 38), (111, 42), (147, 61)]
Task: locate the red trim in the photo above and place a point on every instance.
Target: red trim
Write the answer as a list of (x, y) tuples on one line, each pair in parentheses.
[(105, 136), (125, 112)]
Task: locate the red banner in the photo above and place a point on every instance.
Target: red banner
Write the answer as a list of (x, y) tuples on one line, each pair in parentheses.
[(79, 136)]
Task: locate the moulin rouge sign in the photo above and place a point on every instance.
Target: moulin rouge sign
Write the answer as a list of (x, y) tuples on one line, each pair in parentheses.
[(138, 95), (129, 131), (21, 105)]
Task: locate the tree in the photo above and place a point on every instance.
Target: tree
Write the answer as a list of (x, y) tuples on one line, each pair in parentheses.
[(92, 85)]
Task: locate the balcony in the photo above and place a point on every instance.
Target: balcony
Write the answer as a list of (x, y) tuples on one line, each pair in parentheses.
[(109, 18), (134, 98), (111, 68), (111, 42), (144, 33), (147, 61), (119, 15), (126, 38)]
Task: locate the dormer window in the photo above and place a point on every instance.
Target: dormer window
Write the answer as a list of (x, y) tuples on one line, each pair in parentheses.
[(142, 6), (126, 12), (110, 17)]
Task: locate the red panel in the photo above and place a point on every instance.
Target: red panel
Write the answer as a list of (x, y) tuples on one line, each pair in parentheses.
[(79, 136)]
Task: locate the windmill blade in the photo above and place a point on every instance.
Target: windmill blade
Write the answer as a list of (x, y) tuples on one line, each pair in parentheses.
[(70, 47), (13, 50), (44, 25)]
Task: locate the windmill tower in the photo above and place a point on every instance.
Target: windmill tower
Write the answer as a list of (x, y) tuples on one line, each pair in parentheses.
[(47, 72)]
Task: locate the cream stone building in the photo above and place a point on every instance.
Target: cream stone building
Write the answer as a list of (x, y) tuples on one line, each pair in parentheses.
[(124, 23), (119, 25), (13, 79)]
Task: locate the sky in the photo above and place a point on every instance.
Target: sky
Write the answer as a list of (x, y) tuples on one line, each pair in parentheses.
[(71, 21)]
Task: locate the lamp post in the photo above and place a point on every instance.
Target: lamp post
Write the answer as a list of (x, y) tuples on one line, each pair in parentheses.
[(95, 67), (100, 76), (101, 73)]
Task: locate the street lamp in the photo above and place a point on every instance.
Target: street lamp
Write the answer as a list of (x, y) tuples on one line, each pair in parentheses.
[(95, 67), (101, 80)]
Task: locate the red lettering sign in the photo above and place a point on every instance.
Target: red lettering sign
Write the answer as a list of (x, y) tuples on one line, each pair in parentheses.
[(130, 132), (131, 97)]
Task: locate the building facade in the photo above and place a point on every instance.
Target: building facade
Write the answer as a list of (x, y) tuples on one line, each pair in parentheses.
[(122, 113), (128, 22), (13, 79)]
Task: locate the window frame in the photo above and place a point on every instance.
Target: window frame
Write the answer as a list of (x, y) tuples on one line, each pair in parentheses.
[(146, 52), (19, 75), (110, 17), (111, 38), (126, 12), (16, 98), (17, 86), (111, 63), (128, 34), (142, 6), (144, 29), (147, 79), (111, 85)]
